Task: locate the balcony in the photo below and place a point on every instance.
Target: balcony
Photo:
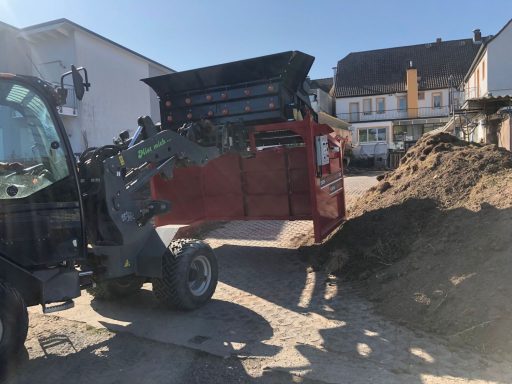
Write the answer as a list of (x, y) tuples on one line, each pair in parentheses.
[(471, 93), (71, 106), (393, 114), (475, 93)]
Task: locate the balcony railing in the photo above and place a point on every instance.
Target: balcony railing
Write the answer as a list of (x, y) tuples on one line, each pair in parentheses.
[(71, 106), (476, 93), (471, 93), (393, 114)]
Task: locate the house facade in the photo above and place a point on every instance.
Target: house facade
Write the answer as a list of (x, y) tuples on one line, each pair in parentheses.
[(116, 98), (393, 96), (487, 106)]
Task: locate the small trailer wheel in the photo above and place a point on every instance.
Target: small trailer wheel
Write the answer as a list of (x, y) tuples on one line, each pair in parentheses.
[(190, 275), (116, 288), (13, 322)]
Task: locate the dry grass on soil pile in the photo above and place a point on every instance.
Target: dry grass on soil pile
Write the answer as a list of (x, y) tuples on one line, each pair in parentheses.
[(432, 241)]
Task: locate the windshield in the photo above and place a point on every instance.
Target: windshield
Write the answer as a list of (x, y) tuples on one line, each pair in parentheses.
[(32, 155)]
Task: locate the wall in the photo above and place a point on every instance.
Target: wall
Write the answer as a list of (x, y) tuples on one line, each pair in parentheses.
[(505, 136), (116, 98), (52, 56), (17, 61), (500, 63), (471, 88)]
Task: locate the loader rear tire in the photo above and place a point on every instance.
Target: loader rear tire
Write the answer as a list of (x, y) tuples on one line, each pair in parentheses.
[(13, 323), (116, 288), (190, 275)]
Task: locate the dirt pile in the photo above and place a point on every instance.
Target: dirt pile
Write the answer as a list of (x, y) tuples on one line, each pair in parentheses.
[(433, 243)]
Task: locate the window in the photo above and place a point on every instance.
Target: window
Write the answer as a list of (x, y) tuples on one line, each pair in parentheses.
[(381, 105), (367, 106), (372, 135), (437, 100), (483, 70), (478, 83), (456, 101), (402, 103), (354, 111), (30, 138), (363, 135), (421, 95)]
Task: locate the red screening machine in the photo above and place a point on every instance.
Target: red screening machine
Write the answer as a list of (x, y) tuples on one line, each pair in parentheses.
[(276, 161)]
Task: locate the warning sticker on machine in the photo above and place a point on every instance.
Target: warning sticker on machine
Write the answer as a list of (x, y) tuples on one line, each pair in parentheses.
[(335, 187), (330, 179)]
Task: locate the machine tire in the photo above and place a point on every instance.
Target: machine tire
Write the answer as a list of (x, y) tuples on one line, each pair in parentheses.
[(180, 286), (116, 288), (13, 323)]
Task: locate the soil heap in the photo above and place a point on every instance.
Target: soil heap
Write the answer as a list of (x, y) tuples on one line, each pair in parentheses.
[(432, 242)]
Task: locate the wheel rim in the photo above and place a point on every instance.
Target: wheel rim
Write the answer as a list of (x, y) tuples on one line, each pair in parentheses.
[(199, 275)]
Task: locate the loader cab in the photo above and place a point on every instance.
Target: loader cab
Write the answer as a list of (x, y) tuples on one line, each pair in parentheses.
[(40, 209)]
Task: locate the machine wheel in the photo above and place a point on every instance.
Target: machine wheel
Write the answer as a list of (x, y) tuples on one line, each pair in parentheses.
[(13, 322), (190, 274), (116, 288)]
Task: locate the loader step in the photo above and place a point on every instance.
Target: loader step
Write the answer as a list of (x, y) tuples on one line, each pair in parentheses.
[(58, 307)]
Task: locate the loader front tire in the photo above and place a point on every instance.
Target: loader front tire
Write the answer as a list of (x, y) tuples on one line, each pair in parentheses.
[(13, 323), (189, 275), (116, 288)]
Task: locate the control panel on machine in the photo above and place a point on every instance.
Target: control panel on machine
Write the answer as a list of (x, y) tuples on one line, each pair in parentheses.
[(322, 150)]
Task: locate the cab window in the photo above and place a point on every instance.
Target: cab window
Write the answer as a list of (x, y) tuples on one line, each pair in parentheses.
[(32, 155)]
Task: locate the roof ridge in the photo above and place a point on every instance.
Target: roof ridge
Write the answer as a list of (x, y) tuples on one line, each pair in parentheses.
[(382, 71), (72, 23), (409, 46)]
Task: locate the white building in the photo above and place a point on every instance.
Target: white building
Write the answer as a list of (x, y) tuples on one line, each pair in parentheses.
[(116, 98), (392, 96), (488, 92), (320, 91)]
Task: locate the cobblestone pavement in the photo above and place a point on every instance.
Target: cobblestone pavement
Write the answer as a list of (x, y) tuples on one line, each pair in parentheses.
[(269, 305), (357, 185)]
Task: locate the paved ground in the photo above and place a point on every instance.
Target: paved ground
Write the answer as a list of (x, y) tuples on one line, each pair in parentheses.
[(271, 320), (356, 185)]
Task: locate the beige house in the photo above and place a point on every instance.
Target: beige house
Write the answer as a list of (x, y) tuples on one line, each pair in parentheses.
[(392, 96)]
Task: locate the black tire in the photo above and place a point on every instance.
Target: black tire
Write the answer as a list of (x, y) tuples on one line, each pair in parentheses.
[(190, 275), (116, 288), (13, 323)]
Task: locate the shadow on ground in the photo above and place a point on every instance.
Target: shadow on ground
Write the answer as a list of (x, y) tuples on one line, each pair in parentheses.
[(123, 358), (270, 309)]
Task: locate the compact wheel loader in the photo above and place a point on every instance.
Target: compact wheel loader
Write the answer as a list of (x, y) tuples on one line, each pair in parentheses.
[(68, 224)]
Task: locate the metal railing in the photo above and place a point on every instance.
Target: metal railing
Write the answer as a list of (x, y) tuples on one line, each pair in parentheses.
[(394, 114), (471, 93), (71, 101), (476, 93)]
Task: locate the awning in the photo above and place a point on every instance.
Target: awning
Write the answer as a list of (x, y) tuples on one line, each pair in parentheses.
[(331, 121)]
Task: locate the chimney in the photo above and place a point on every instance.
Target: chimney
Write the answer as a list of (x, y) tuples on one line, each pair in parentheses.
[(438, 40), (412, 91), (477, 36)]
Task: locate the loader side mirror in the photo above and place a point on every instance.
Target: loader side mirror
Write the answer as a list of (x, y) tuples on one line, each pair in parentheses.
[(78, 83)]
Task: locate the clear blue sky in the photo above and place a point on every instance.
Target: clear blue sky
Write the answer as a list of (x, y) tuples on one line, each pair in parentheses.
[(187, 34)]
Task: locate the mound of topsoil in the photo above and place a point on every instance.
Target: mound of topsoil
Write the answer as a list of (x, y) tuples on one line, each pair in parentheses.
[(433, 242)]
